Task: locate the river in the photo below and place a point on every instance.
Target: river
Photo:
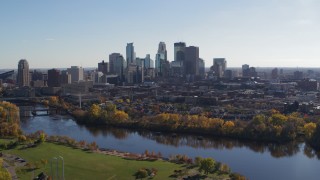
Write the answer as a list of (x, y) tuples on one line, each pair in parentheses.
[(261, 161)]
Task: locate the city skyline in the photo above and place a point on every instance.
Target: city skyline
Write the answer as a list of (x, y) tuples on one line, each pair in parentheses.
[(60, 34)]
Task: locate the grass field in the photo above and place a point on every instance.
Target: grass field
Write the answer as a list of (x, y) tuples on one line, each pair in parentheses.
[(85, 165), (3, 141)]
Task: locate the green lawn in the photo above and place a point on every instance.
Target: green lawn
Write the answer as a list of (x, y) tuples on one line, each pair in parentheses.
[(84, 165), (4, 141)]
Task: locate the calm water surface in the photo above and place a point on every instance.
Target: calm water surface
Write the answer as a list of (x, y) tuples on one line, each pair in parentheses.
[(254, 160)]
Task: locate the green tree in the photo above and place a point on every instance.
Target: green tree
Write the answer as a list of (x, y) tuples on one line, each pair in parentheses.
[(141, 173), (206, 165), (197, 161), (42, 137)]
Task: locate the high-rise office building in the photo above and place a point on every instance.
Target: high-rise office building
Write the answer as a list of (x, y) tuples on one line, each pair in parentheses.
[(76, 73), (298, 75), (245, 70), (140, 61), (130, 54), (148, 62), (65, 77), (179, 51), (162, 64), (177, 66), (248, 71), (112, 59), (36, 75), (119, 66), (201, 68), (191, 63), (274, 73), (54, 78), (23, 73), (219, 66), (103, 67), (228, 74), (162, 50), (135, 74)]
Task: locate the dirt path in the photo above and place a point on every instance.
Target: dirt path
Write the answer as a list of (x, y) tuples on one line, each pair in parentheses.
[(11, 162), (11, 170)]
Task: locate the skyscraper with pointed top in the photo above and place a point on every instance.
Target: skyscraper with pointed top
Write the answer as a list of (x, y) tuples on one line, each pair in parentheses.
[(23, 73), (162, 64)]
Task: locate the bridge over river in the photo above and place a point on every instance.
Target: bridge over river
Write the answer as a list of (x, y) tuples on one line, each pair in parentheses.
[(29, 111)]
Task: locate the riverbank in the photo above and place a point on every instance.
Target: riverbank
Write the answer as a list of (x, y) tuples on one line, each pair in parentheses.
[(79, 164), (272, 126), (249, 158)]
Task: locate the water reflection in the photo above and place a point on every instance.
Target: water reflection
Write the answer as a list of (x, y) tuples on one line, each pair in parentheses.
[(106, 131), (276, 150), (310, 152), (255, 160)]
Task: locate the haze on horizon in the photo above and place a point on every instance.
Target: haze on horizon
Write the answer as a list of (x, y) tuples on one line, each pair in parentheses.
[(53, 34)]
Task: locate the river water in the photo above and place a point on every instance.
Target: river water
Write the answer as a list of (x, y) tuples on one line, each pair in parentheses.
[(261, 161)]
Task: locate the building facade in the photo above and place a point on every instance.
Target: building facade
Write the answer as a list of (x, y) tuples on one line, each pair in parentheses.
[(112, 60), (219, 66), (130, 54), (191, 63), (53, 78), (103, 67), (162, 64), (23, 73), (76, 73)]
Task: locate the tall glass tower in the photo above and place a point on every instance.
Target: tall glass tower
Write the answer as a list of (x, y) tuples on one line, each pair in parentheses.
[(130, 54)]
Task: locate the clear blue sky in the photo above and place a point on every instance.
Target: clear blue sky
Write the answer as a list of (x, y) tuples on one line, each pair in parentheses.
[(61, 33)]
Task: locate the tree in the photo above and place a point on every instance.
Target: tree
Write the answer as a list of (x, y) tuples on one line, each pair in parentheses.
[(42, 137), (206, 165), (93, 146), (53, 100), (223, 168), (228, 126), (309, 129), (236, 176), (198, 160), (141, 173), (111, 107), (82, 144), (120, 116), (94, 111), (146, 153), (22, 138), (278, 119)]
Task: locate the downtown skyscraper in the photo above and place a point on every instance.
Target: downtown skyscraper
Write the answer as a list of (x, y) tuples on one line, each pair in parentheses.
[(162, 64), (130, 54), (23, 73)]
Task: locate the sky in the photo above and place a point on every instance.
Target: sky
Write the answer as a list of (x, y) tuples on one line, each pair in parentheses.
[(62, 33)]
